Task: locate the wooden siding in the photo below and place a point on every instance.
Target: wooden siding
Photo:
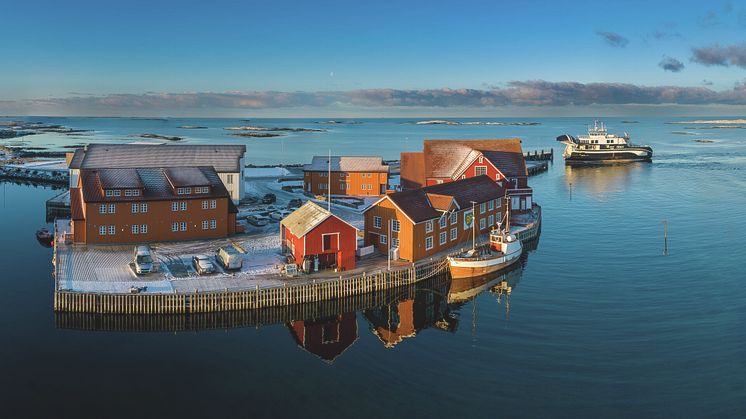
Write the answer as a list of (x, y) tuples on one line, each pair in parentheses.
[(378, 182)]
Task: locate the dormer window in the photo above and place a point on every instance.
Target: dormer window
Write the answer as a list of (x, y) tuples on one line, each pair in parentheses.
[(202, 189), (113, 192), (131, 192), (183, 191)]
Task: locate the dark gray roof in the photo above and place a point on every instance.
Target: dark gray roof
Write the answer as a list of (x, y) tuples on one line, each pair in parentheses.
[(186, 176), (224, 158), (120, 179), (368, 164)]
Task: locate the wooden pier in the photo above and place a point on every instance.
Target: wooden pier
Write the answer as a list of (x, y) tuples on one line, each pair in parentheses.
[(252, 299), (537, 155)]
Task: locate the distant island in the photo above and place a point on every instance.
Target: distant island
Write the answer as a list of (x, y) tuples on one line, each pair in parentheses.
[(331, 122), (446, 122), (258, 134), (272, 129), (191, 127), (161, 137), (712, 121), (13, 129)]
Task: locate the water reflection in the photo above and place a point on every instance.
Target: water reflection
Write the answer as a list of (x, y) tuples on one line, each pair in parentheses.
[(599, 180), (326, 338)]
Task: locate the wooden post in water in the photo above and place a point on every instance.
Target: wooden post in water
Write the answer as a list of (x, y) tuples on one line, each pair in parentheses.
[(665, 238)]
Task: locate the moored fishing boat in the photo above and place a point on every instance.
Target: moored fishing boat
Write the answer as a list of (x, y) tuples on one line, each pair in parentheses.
[(504, 249)]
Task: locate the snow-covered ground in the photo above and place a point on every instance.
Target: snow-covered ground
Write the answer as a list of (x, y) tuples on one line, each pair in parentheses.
[(258, 172)]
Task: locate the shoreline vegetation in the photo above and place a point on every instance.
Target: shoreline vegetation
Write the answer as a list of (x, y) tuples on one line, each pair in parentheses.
[(161, 137), (191, 127)]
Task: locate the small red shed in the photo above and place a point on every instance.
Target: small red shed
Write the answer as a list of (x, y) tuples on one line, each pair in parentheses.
[(318, 239)]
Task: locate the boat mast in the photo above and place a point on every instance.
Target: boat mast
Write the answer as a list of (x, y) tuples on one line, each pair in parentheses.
[(507, 213), (329, 182)]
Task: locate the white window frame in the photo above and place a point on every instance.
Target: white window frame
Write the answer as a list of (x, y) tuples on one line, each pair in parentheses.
[(477, 169), (443, 238), (213, 204), (491, 220), (377, 221), (205, 204), (394, 242), (454, 233), (482, 207), (183, 206), (454, 218), (143, 229), (183, 226), (101, 230), (102, 208), (383, 239), (429, 226), (443, 221), (143, 207), (205, 224), (213, 224), (112, 230), (491, 204), (174, 206), (395, 226), (482, 223), (174, 227), (112, 208), (135, 208), (428, 239), (135, 229)]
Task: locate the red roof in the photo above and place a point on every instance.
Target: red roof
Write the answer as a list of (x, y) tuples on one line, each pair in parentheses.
[(412, 170), (450, 158)]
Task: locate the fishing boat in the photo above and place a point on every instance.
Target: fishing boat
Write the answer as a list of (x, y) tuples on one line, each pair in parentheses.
[(504, 250), (600, 147)]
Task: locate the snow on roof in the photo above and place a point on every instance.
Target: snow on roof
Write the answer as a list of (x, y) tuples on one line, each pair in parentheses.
[(347, 164)]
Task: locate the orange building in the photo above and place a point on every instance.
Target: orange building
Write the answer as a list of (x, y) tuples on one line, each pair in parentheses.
[(443, 161), (422, 222), (110, 206), (346, 175)]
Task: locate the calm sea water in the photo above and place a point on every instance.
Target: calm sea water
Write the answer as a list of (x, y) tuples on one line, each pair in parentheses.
[(600, 323)]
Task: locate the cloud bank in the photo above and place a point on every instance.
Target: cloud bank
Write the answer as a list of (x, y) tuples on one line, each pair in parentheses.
[(534, 93), (734, 55)]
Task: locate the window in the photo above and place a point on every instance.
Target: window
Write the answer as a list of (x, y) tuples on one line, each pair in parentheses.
[(454, 234), (480, 170), (184, 191), (109, 193), (342, 175), (135, 208), (443, 237), (370, 186), (102, 209), (174, 227), (322, 186), (143, 207), (322, 174), (205, 205), (376, 222), (383, 239), (428, 242), (135, 229), (112, 208), (443, 221), (112, 230), (482, 223), (395, 225), (394, 242), (213, 225), (182, 226), (201, 189), (482, 208), (132, 192), (205, 225), (229, 179), (491, 205), (514, 203), (498, 217), (174, 206), (213, 204), (429, 226), (341, 186), (491, 220), (183, 205), (102, 230), (454, 218), (113, 192), (143, 228), (528, 202)]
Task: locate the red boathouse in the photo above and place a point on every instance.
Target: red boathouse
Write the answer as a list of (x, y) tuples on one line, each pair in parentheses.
[(318, 239)]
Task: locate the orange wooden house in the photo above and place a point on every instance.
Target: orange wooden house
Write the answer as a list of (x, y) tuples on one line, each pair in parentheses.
[(346, 175), (443, 161), (112, 206), (423, 222)]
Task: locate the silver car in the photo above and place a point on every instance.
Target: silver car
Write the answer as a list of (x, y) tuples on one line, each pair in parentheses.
[(203, 265)]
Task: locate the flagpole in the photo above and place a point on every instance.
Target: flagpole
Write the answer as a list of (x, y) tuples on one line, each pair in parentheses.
[(329, 183)]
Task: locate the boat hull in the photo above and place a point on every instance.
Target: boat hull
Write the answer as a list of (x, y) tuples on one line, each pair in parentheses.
[(626, 155), (471, 267)]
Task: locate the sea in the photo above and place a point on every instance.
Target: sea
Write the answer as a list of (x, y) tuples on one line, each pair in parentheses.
[(631, 304)]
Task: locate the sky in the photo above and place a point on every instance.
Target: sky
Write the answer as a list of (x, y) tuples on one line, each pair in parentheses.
[(382, 58)]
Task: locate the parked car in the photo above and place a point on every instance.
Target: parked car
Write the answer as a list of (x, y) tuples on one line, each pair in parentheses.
[(295, 203), (143, 260), (269, 198), (257, 220), (229, 258), (203, 265)]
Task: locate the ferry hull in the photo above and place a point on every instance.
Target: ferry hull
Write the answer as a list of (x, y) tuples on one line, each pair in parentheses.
[(641, 154), (465, 268)]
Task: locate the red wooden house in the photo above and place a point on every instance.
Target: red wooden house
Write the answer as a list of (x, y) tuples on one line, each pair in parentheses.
[(443, 161), (317, 237)]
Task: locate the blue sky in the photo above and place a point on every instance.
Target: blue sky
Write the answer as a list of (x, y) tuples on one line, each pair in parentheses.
[(69, 57)]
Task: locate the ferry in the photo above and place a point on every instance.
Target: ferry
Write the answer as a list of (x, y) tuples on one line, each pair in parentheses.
[(600, 147), (504, 250)]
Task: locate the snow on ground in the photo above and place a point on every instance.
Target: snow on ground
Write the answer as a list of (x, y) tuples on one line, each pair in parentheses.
[(259, 172)]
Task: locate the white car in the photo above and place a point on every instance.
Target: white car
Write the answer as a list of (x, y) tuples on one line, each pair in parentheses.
[(203, 265)]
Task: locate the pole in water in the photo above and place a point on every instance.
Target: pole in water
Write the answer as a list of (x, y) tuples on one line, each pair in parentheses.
[(665, 238), (570, 191)]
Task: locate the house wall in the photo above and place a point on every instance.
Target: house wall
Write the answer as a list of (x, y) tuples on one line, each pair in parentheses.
[(314, 242), (158, 218), (412, 237), (233, 182), (316, 182)]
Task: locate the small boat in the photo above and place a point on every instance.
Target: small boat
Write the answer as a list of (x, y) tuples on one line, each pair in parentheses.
[(504, 250), (600, 147), (45, 237)]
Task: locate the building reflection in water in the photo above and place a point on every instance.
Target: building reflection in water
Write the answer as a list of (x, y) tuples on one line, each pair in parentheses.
[(326, 338), (600, 180)]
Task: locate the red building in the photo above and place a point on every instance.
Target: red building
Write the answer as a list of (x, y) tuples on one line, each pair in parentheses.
[(317, 236), (326, 338), (444, 161)]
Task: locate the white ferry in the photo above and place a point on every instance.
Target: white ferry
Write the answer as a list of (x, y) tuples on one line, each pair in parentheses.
[(601, 147)]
